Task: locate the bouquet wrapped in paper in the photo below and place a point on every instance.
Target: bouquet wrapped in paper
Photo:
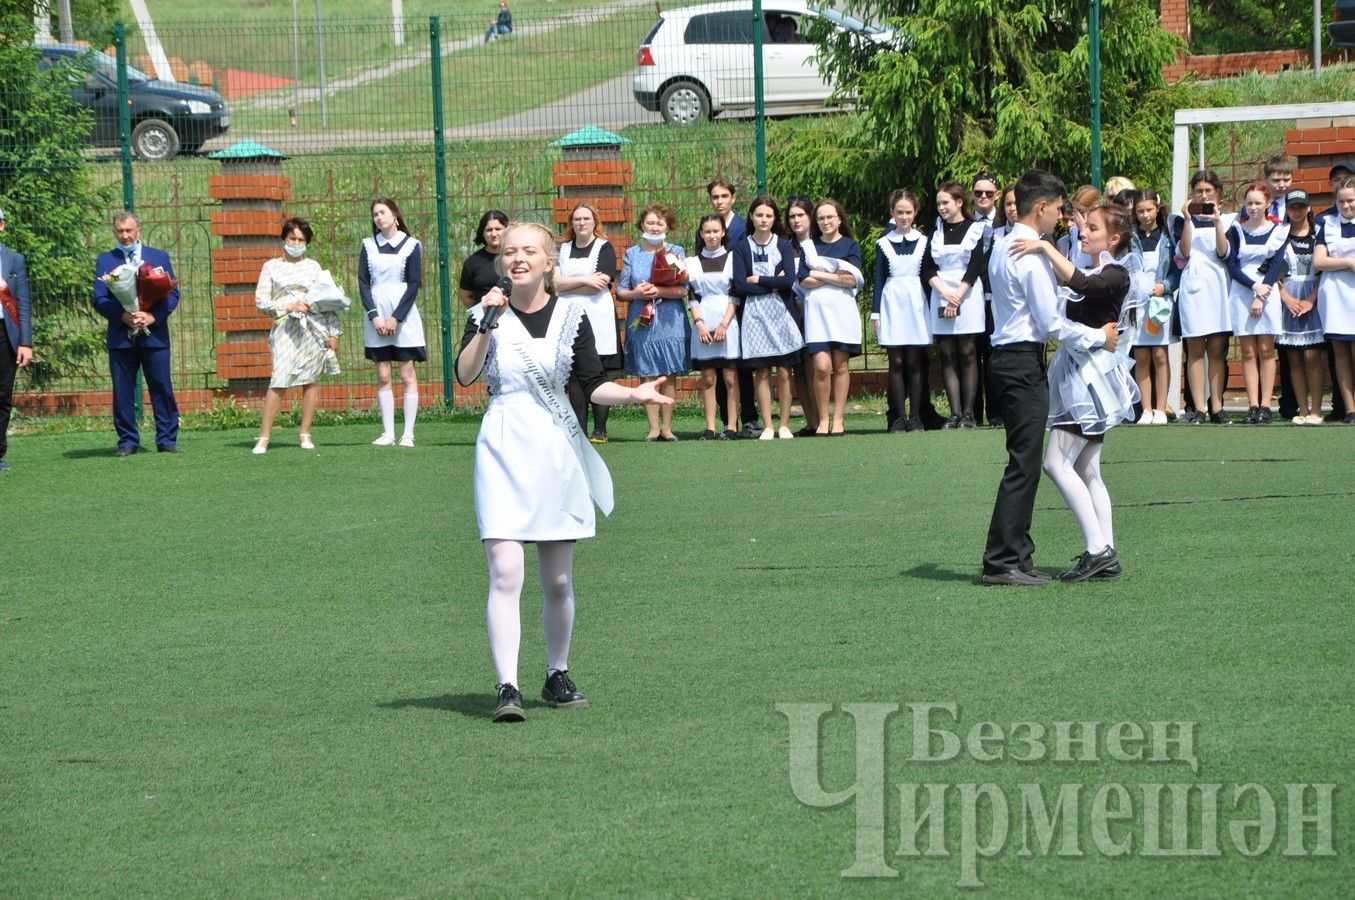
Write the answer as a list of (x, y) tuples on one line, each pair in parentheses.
[(122, 285), (325, 295), (668, 271), (153, 284)]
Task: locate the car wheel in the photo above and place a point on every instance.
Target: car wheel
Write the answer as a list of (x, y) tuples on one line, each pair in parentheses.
[(155, 139), (684, 102)]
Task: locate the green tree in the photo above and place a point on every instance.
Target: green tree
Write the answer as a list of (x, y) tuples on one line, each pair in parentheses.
[(1237, 26), (50, 200), (985, 84)]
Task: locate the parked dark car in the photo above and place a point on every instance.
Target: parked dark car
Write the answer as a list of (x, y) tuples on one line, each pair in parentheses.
[(168, 117), (1342, 27)]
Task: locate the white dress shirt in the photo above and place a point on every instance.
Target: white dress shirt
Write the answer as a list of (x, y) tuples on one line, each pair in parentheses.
[(1025, 304)]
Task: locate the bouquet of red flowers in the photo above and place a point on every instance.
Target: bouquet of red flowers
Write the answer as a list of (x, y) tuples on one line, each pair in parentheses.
[(8, 302), (153, 284), (668, 271)]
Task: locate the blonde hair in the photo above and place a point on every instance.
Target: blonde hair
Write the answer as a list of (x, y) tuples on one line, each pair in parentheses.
[(1086, 198), (1118, 183), (548, 245)]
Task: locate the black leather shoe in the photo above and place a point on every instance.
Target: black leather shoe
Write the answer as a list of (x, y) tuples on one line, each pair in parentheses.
[(559, 691), (914, 425), (1220, 418), (707, 435), (1253, 415), (509, 707), (125, 451), (1264, 416), (967, 421), (952, 423), (1090, 564), (751, 431), (1111, 571), (1013, 577), (168, 448), (1036, 573)]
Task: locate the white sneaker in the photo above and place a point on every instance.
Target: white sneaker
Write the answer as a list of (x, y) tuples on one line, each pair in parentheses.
[(1299, 420), (386, 440), (1146, 418), (306, 442), (1159, 417), (1315, 419), (260, 446), (784, 433), (407, 440), (767, 435)]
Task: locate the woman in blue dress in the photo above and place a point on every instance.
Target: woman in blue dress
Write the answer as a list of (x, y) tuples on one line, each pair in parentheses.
[(652, 282)]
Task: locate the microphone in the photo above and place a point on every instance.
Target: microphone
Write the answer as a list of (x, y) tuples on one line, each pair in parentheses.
[(491, 315)]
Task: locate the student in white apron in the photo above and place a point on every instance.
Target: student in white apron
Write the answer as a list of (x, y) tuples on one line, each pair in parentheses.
[(956, 259), (1302, 336), (584, 273), (765, 270), (899, 312), (799, 231), (1203, 297), (830, 273), (1255, 254), (1334, 257), (390, 267), (537, 477), (1154, 335), (715, 324)]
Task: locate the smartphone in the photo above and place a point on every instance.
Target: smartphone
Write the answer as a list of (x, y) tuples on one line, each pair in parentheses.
[(1207, 208)]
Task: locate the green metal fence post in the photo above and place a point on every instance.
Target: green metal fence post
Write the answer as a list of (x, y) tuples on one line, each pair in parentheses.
[(759, 106), (124, 119), (1094, 76), (440, 170)]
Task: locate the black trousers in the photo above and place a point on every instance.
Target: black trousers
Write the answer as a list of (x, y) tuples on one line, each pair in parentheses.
[(1017, 375), (8, 367)]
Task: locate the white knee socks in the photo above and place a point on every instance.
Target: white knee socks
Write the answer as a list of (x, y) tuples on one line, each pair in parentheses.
[(411, 413), (1061, 459), (385, 400)]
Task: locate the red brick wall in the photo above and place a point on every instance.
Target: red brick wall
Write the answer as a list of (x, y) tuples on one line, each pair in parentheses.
[(1175, 17)]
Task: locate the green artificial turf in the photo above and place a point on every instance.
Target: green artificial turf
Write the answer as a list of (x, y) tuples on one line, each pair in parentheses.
[(223, 674)]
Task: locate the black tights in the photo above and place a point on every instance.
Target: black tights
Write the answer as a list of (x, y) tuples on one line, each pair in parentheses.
[(905, 379), (580, 403), (959, 372)]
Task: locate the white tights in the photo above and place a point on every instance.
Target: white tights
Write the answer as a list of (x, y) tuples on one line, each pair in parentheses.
[(1074, 463), (555, 560)]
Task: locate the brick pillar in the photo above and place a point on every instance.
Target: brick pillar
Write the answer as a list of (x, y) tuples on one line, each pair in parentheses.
[(591, 169), (252, 190), (1175, 17)]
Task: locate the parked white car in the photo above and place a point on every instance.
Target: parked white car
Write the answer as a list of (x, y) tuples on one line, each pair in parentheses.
[(697, 61)]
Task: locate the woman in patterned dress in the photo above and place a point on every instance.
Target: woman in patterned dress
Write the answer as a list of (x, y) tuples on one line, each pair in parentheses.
[(303, 341)]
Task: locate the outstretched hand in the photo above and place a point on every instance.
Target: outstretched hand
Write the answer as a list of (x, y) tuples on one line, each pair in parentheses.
[(648, 392)]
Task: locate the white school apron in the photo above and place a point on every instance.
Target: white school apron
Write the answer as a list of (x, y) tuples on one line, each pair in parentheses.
[(599, 307), (1205, 286), (1147, 333), (951, 261), (386, 272), (831, 315), (1336, 290), (1249, 258), (904, 319), (713, 298), (533, 480)]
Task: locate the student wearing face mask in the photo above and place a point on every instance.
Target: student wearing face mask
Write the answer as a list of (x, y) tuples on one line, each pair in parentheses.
[(304, 336), (138, 340)]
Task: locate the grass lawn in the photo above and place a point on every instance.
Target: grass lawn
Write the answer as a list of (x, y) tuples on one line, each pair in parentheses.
[(268, 676)]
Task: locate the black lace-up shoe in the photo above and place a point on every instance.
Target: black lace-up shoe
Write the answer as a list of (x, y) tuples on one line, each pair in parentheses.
[(1264, 416), (1090, 564), (1219, 417), (509, 708), (1111, 571), (559, 691)]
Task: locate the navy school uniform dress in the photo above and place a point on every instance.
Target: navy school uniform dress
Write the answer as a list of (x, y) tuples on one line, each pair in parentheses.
[(769, 332)]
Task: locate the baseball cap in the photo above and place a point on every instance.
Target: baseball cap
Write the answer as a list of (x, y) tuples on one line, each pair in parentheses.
[(1296, 196), (1343, 165)]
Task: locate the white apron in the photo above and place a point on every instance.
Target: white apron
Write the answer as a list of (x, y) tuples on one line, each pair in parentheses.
[(1250, 257), (831, 315), (1336, 290), (599, 307), (712, 294), (951, 261), (904, 319), (536, 475), (1149, 334), (1205, 286), (386, 272)]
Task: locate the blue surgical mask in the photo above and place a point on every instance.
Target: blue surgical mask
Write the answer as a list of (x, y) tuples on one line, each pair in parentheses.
[(654, 238), (295, 251), (132, 249)]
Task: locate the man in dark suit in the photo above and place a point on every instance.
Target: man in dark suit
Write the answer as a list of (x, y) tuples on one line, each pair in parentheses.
[(16, 338), (138, 340)]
